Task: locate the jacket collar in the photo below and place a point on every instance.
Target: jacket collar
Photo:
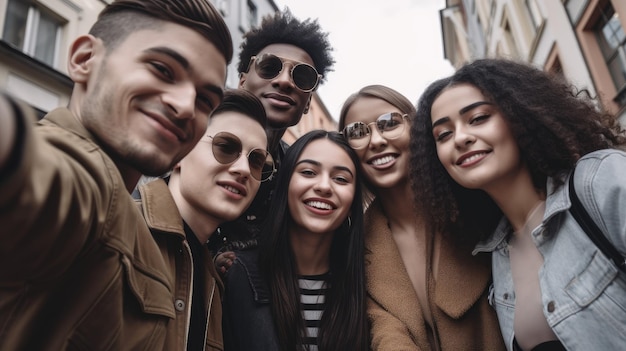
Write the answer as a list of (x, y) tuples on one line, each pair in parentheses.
[(64, 118), (455, 265), (557, 201), (159, 208)]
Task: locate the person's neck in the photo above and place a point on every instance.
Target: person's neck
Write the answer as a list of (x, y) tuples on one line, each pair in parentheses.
[(311, 252), (202, 225), (516, 198), (273, 139), (129, 174), (397, 203)]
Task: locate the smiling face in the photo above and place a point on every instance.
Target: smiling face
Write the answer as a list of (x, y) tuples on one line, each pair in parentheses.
[(148, 99), (283, 102), (384, 162), (208, 188), (474, 141), (321, 188)]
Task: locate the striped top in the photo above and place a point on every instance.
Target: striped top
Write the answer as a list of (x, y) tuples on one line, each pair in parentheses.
[(312, 297)]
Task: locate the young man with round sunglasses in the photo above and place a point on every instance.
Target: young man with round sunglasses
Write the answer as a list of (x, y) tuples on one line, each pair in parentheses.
[(282, 62), (213, 184)]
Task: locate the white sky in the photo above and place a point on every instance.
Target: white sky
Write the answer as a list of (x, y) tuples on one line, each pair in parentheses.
[(397, 43)]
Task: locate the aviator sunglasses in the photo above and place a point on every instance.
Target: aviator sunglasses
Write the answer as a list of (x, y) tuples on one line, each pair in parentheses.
[(227, 148), (390, 126), (269, 66)]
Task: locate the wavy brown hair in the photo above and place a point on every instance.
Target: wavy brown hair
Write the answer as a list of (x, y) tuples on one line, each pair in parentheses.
[(553, 123)]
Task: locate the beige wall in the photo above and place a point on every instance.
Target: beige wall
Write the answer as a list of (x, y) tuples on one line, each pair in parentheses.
[(318, 117)]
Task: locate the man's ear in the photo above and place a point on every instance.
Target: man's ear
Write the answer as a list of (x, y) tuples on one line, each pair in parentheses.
[(242, 79), (81, 57), (308, 104)]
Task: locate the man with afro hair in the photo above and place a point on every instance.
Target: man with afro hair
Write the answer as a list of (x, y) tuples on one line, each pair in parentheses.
[(282, 62)]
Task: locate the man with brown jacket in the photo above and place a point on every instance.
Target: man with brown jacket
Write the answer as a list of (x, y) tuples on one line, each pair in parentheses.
[(80, 269)]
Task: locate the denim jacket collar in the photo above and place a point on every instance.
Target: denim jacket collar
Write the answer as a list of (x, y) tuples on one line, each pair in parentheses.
[(557, 201)]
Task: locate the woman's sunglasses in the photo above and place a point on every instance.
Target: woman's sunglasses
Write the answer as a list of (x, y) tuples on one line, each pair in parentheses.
[(390, 126), (227, 148), (269, 66)]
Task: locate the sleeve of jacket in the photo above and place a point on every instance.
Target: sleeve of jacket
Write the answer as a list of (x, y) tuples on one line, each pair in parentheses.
[(50, 200), (388, 332), (237, 293)]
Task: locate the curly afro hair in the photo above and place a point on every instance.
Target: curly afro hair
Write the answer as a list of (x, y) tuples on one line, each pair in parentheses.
[(284, 28)]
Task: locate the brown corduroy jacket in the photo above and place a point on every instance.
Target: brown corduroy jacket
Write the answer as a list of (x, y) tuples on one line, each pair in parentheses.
[(463, 318)]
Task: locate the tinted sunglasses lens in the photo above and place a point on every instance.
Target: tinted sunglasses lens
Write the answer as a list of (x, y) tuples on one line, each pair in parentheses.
[(261, 164), (304, 76), (256, 160), (268, 66), (226, 148), (268, 168)]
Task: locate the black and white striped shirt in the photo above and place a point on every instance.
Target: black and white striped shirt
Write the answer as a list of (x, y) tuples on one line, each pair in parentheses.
[(312, 298)]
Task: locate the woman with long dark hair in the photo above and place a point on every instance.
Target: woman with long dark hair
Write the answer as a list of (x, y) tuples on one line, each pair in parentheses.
[(304, 288)]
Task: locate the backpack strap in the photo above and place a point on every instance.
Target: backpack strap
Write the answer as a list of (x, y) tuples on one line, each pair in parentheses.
[(592, 230)]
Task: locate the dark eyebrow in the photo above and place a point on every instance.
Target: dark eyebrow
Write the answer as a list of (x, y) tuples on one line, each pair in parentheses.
[(440, 121), (472, 106), (461, 111), (184, 63), (171, 53), (316, 163)]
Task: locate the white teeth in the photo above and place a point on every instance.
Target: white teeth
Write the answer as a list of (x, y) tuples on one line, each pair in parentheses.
[(232, 189), (319, 204), (473, 157), (383, 160)]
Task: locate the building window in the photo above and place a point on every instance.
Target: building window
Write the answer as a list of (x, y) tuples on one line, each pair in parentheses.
[(32, 30), (612, 42), (509, 40), (224, 7), (534, 13), (253, 14)]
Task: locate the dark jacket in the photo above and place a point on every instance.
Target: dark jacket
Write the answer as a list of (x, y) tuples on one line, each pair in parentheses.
[(247, 318)]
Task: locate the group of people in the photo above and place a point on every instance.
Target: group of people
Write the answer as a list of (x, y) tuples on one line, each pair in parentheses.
[(443, 225)]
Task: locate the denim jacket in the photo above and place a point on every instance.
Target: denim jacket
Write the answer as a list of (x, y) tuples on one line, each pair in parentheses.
[(583, 293), (246, 316)]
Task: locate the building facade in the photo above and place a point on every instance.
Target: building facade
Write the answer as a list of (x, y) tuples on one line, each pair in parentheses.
[(35, 36), (584, 40)]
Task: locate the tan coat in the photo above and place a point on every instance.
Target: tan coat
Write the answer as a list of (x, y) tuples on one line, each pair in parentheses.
[(463, 319)]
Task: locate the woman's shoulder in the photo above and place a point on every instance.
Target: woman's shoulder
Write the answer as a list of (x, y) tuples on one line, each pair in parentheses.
[(600, 168), (608, 155)]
